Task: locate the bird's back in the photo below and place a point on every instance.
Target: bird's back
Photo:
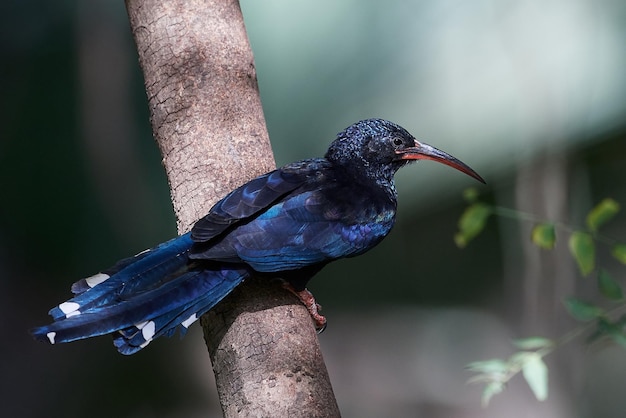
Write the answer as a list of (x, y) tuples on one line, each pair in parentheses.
[(326, 217)]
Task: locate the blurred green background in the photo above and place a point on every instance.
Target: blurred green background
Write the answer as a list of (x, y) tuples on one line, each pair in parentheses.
[(531, 94)]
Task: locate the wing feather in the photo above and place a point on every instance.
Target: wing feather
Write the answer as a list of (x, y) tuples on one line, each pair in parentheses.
[(250, 199), (297, 232)]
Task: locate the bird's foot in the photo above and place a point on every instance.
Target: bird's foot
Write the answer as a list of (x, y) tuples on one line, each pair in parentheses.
[(313, 307)]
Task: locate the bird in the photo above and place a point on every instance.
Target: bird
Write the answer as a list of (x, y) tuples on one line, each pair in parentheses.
[(286, 224)]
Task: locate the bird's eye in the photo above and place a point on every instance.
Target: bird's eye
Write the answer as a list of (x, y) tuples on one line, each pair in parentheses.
[(397, 141)]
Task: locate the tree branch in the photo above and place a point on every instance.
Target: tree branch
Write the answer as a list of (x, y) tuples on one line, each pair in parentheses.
[(207, 119)]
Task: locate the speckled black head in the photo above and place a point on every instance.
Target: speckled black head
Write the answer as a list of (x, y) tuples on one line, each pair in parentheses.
[(374, 149), (370, 147)]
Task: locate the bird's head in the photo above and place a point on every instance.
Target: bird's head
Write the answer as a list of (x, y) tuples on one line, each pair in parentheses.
[(377, 148)]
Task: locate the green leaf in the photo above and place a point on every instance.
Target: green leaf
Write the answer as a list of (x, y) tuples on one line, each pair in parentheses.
[(583, 311), (470, 194), (460, 240), (518, 359), (471, 223), (608, 286), (619, 252), (535, 372), (602, 213), (614, 331), (618, 337), (490, 390), (533, 343), (583, 249), (544, 236), (493, 366)]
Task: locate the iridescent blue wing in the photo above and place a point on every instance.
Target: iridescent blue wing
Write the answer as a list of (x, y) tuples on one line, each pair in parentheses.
[(252, 198), (301, 230)]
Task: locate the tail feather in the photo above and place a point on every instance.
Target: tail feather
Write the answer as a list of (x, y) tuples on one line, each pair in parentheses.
[(150, 314), (153, 294), (85, 284), (140, 273), (212, 286)]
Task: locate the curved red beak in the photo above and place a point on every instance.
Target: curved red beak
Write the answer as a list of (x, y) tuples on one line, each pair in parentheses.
[(423, 151)]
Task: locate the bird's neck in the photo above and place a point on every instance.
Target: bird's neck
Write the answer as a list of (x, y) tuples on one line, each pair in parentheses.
[(378, 183)]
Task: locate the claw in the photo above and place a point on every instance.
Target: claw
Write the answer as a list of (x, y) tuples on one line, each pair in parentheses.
[(313, 307)]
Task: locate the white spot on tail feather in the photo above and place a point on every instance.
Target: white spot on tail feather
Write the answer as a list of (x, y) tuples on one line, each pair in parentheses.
[(73, 313), (96, 279), (148, 330), (51, 336), (187, 322), (144, 344), (143, 252), (68, 307)]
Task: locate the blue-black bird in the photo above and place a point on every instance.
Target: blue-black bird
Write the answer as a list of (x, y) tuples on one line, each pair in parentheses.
[(287, 224)]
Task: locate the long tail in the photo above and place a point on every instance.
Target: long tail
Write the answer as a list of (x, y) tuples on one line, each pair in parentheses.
[(141, 298)]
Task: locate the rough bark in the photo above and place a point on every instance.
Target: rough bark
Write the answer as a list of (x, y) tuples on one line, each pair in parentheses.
[(207, 119), (202, 92)]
